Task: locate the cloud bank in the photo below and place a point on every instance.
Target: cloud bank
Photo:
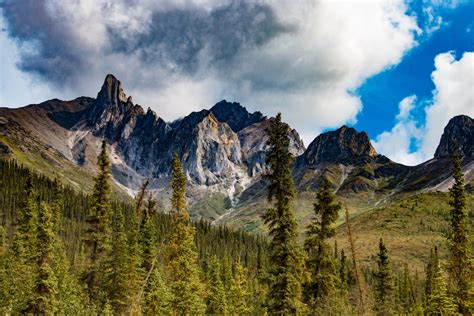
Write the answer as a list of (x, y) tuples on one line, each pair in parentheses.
[(453, 95), (303, 58)]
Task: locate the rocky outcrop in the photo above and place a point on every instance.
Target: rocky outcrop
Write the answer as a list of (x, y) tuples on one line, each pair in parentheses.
[(342, 145), (235, 115), (222, 147), (457, 138), (253, 140)]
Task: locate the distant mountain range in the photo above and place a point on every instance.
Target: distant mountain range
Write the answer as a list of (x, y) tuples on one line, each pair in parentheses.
[(223, 154)]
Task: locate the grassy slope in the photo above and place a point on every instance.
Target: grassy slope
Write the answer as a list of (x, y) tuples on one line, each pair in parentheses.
[(410, 227), (52, 164)]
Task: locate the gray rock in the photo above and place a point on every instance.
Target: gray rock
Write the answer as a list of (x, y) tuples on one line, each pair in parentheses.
[(457, 138)]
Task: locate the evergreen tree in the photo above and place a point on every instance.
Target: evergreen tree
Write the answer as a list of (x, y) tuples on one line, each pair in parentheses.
[(118, 281), (324, 280), (459, 262), (384, 283), (17, 281), (186, 287), (227, 275), (239, 296), (42, 300), (98, 233), (284, 296), (405, 292), (438, 301), (216, 298), (158, 296), (137, 272), (56, 204), (24, 240), (147, 238)]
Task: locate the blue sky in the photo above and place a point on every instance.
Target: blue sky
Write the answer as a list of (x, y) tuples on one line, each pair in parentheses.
[(412, 76), (396, 69)]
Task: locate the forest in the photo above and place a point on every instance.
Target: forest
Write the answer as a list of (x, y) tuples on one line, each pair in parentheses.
[(69, 253)]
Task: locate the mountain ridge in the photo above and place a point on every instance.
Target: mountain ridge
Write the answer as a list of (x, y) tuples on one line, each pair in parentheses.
[(222, 149)]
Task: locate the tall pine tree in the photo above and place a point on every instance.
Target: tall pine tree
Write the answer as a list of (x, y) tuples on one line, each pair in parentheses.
[(459, 261), (216, 298), (42, 301), (284, 296), (186, 287), (384, 283), (117, 279), (324, 279), (98, 233), (24, 239), (437, 301)]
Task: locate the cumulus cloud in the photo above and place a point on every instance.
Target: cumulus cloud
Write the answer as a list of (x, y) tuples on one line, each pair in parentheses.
[(453, 95), (396, 143), (302, 58)]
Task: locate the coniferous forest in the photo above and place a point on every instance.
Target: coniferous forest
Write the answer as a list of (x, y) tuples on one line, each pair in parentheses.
[(64, 252)]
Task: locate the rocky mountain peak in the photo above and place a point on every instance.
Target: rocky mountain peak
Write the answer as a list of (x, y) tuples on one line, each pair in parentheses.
[(113, 113), (458, 137), (235, 115), (111, 92), (339, 145)]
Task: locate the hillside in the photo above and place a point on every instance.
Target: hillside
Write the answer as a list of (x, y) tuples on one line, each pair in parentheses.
[(410, 228)]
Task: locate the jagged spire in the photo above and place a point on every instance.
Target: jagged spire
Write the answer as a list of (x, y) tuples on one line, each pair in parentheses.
[(111, 92)]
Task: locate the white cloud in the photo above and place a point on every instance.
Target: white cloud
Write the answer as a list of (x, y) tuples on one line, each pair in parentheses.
[(396, 143), (306, 67), (453, 95), (310, 74)]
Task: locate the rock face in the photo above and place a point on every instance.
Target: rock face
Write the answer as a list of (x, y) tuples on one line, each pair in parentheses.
[(253, 140), (338, 146), (235, 115), (458, 137), (223, 147)]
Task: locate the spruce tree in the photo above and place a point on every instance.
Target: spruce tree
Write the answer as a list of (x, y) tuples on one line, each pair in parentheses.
[(186, 287), (156, 293), (284, 296), (24, 239), (438, 302), (459, 261), (239, 296), (384, 283), (158, 296), (56, 204), (428, 278), (98, 233), (324, 279), (17, 281), (135, 249), (216, 298), (406, 297), (42, 300), (118, 278)]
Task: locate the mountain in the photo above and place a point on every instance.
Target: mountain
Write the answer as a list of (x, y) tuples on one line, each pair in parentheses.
[(361, 178), (458, 137), (141, 143), (223, 153)]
